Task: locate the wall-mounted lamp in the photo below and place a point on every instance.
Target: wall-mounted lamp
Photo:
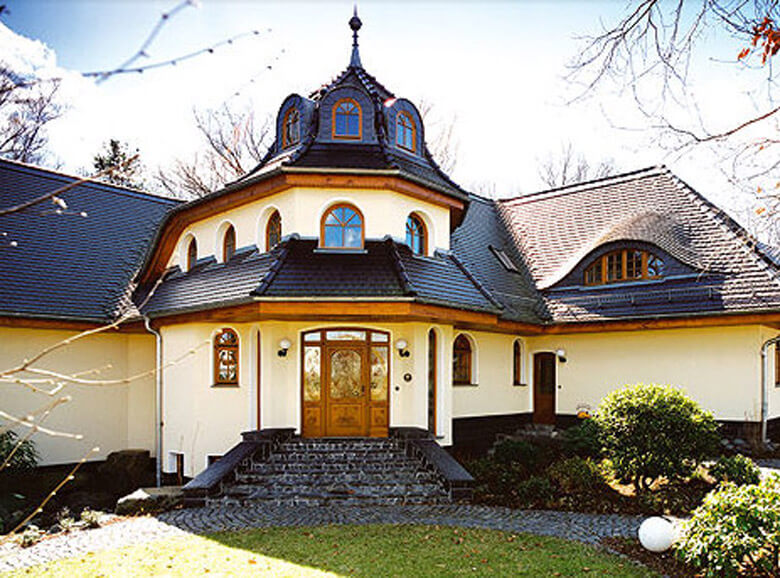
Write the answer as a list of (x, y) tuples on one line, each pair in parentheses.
[(401, 346), (561, 354), (284, 345)]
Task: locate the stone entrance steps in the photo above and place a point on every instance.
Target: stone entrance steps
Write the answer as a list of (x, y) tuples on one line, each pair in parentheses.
[(279, 469)]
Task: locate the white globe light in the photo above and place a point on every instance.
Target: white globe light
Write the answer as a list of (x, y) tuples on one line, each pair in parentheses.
[(656, 534)]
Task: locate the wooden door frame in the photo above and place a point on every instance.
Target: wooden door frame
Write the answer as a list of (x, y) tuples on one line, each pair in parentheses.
[(536, 416), (367, 344)]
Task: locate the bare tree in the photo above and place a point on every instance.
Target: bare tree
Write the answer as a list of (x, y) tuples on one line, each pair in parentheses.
[(233, 143), (119, 165), (442, 138), (568, 167), (650, 55), (27, 105)]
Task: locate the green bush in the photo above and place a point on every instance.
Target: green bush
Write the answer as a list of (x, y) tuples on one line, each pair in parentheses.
[(535, 491), (24, 458), (91, 518), (31, 536), (737, 469), (654, 431), (522, 454), (576, 475), (582, 439), (736, 529)]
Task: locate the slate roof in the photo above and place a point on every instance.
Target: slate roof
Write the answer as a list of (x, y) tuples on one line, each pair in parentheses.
[(75, 264), (386, 270), (557, 229)]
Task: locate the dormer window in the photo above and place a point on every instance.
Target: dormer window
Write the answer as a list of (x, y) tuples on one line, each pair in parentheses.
[(624, 265), (342, 228), (291, 128), (405, 131), (192, 254), (229, 244), (415, 235), (347, 119), (273, 231)]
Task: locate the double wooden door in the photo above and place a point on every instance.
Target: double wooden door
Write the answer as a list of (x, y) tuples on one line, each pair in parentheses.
[(345, 384)]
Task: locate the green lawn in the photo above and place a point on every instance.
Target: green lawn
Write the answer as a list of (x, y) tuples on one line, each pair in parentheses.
[(407, 551)]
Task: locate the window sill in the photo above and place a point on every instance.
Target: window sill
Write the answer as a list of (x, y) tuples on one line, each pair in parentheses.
[(519, 385), (225, 385), (341, 250), (465, 385)]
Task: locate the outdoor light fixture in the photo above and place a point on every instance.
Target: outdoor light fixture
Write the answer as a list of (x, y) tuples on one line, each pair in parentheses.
[(561, 355), (656, 534), (284, 345), (401, 346)]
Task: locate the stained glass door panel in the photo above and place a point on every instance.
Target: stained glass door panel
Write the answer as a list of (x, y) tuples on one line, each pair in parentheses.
[(347, 391)]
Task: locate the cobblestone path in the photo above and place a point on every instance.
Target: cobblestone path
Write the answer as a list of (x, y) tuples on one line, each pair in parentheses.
[(589, 528)]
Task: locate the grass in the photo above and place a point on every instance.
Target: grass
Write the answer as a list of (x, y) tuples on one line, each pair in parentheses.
[(402, 551)]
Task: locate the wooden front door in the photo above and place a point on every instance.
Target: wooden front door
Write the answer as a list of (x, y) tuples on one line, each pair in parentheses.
[(544, 388), (345, 383)]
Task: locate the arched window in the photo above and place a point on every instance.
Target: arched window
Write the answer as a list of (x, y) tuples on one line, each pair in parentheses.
[(291, 128), (415, 235), (342, 228), (226, 358), (229, 244), (405, 131), (461, 361), (624, 265), (347, 119), (192, 254), (517, 363), (273, 231)]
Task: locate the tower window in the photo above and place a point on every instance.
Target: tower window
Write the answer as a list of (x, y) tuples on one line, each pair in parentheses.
[(273, 231), (229, 244), (192, 254), (342, 228), (405, 131), (461, 361), (291, 128), (347, 119), (415, 235)]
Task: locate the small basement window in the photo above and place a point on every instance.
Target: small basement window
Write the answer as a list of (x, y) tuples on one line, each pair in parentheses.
[(624, 265)]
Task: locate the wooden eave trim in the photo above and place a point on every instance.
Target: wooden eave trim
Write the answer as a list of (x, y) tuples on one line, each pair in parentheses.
[(287, 179), (37, 323), (721, 320)]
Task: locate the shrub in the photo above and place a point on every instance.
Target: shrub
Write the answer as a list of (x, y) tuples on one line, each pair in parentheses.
[(535, 491), (24, 458), (91, 518), (653, 431), (736, 528), (737, 469), (522, 454), (31, 536), (582, 439), (576, 475)]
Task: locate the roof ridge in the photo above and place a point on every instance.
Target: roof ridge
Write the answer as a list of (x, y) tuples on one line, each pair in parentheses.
[(587, 185), (480, 287)]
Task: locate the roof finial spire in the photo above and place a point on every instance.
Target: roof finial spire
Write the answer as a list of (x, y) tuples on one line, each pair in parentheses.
[(355, 24)]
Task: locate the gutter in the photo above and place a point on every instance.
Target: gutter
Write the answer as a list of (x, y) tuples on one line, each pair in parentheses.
[(764, 386), (158, 400)]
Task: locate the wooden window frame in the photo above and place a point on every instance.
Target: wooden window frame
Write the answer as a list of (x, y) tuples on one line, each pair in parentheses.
[(518, 354), (469, 360), (268, 245), (623, 275), (192, 253), (358, 212), (219, 348), (229, 234), (423, 233), (412, 125), (777, 364), (286, 140), (334, 135)]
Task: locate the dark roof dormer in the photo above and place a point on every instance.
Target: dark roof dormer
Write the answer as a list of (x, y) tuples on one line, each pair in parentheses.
[(354, 122)]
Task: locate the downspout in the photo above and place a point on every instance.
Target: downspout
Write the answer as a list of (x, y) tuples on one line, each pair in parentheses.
[(158, 400), (765, 387)]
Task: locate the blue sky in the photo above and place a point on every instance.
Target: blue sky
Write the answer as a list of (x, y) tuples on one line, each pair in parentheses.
[(497, 67)]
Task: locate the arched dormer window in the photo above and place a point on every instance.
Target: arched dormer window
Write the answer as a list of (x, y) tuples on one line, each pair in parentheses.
[(273, 231), (624, 265), (226, 357), (416, 235), (228, 244), (342, 228), (291, 128), (462, 358), (347, 119), (192, 254), (405, 131)]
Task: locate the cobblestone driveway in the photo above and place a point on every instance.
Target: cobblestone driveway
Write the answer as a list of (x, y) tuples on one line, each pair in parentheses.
[(589, 528)]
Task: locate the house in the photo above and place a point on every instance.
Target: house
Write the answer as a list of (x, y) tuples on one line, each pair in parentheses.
[(347, 286)]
